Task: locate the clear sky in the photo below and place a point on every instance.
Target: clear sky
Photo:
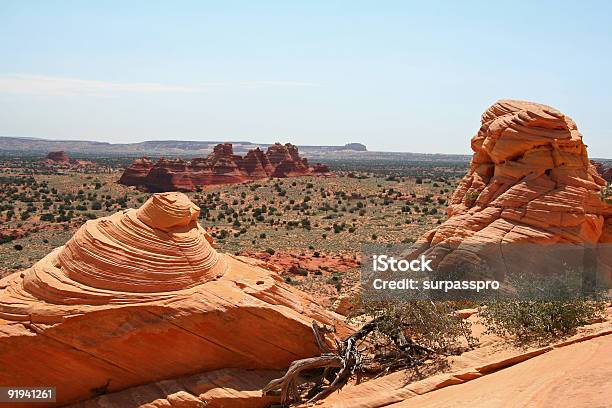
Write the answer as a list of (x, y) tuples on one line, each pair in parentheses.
[(397, 76)]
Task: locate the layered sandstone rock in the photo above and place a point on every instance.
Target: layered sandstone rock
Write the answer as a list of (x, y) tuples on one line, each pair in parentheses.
[(136, 174), (530, 182), (168, 173), (222, 166), (142, 296), (257, 164), (286, 160), (226, 388)]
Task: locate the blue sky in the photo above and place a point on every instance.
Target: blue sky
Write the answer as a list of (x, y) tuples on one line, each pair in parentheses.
[(397, 76)]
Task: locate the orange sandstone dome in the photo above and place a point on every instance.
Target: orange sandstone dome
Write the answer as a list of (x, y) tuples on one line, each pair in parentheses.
[(142, 296), (530, 182), (131, 255)]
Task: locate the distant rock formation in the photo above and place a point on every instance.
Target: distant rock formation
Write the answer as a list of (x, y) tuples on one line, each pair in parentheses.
[(604, 171), (287, 161), (320, 168), (222, 166), (530, 182), (61, 160), (358, 147), (136, 174), (143, 296), (58, 157)]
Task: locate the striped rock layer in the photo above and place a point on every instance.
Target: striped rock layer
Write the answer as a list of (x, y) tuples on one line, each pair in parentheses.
[(530, 182), (142, 296), (222, 166)]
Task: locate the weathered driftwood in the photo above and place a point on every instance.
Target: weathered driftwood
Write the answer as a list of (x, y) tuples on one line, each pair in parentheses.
[(338, 367)]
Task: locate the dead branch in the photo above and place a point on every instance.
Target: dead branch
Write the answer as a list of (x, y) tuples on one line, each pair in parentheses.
[(334, 368), (337, 367), (288, 384)]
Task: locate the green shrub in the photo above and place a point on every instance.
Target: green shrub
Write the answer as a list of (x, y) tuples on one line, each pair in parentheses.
[(47, 217), (429, 324), (471, 196), (538, 319), (544, 307)]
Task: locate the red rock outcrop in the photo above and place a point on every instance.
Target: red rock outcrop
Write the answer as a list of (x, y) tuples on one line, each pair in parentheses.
[(168, 173), (222, 166), (320, 168), (142, 296), (58, 157), (257, 164), (136, 174), (286, 160), (61, 160), (530, 181)]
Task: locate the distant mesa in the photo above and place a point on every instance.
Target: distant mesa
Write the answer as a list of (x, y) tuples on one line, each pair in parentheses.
[(358, 147), (158, 148), (222, 166)]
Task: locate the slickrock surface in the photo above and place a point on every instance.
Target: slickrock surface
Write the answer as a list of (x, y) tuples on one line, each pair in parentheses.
[(564, 368), (226, 388), (574, 376), (222, 166), (142, 296), (530, 181)]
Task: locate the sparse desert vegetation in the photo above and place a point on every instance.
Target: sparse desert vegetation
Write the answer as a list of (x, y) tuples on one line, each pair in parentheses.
[(312, 226)]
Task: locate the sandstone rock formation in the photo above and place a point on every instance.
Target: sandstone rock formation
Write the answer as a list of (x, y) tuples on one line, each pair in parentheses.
[(142, 296), (222, 166), (530, 373), (286, 161), (61, 160), (530, 182), (231, 388), (136, 174), (58, 157), (573, 376)]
